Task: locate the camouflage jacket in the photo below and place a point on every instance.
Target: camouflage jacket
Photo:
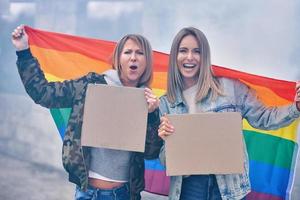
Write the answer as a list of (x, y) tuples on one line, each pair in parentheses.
[(71, 94)]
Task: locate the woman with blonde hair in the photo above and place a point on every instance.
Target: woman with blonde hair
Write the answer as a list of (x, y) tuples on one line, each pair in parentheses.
[(193, 88), (99, 173)]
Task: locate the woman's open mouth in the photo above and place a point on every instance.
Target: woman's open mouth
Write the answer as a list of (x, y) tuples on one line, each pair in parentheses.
[(133, 67), (189, 65)]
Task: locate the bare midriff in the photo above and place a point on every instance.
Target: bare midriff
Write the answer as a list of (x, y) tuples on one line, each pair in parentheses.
[(102, 184)]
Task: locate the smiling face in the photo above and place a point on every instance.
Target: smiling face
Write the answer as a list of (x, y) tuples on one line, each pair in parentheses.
[(133, 63), (188, 60)]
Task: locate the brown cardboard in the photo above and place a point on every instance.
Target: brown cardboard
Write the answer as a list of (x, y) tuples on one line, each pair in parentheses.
[(205, 143), (114, 118)]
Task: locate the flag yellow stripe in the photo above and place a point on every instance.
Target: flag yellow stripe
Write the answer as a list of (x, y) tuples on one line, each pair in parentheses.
[(289, 132)]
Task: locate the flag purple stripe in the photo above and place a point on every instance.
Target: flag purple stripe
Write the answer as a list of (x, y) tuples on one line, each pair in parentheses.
[(157, 182)]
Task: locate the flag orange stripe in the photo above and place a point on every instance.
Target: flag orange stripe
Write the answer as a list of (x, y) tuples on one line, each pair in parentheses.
[(77, 65), (267, 96), (93, 48), (160, 80)]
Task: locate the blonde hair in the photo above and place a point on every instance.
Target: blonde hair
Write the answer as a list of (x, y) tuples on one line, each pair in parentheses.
[(207, 83), (146, 77)]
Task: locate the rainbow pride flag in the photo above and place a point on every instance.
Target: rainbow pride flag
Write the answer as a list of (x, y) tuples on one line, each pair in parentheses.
[(272, 154)]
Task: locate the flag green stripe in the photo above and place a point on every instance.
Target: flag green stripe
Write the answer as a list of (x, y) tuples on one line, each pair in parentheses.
[(61, 116), (269, 149)]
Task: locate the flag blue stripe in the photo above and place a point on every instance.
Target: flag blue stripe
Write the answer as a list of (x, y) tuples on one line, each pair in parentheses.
[(268, 178), (153, 165)]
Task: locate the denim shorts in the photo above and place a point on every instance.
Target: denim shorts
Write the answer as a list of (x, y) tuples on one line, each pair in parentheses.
[(119, 193)]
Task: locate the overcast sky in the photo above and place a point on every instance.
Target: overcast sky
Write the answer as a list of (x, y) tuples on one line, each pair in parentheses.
[(260, 37)]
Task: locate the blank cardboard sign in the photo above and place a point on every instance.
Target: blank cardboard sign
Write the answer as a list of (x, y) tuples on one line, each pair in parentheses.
[(114, 118), (205, 143)]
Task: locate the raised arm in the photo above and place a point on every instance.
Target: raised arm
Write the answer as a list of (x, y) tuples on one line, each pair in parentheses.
[(47, 94), (261, 116), (297, 96)]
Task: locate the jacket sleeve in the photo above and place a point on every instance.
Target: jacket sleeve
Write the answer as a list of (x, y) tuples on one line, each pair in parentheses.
[(47, 94), (162, 156), (153, 141), (261, 116), (163, 109)]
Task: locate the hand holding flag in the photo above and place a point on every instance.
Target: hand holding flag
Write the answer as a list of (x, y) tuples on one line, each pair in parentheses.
[(20, 38), (297, 96)]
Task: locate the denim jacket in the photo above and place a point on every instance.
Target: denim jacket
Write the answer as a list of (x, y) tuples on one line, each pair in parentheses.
[(237, 98)]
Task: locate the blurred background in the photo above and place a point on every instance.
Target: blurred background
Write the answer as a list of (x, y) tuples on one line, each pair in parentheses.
[(259, 37)]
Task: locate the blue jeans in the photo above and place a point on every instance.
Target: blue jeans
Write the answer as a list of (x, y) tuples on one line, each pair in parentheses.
[(200, 187), (119, 193)]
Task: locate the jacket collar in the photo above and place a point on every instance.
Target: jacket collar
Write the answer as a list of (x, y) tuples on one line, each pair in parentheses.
[(112, 78), (178, 99)]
